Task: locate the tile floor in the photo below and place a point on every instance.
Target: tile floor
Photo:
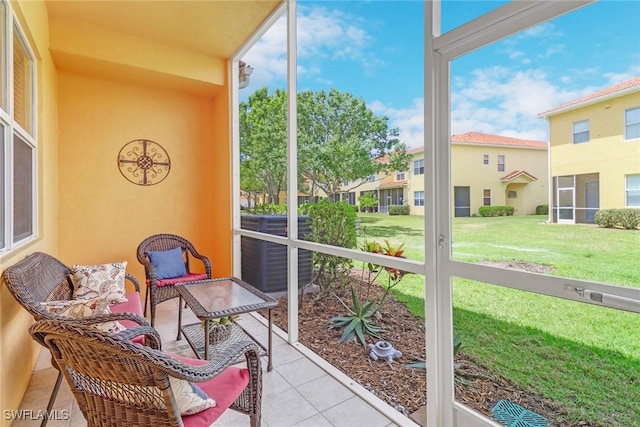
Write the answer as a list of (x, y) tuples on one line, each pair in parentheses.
[(297, 392)]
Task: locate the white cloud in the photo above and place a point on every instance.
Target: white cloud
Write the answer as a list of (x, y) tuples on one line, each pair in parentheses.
[(323, 35), (615, 78), (499, 101), (409, 120), (493, 100)]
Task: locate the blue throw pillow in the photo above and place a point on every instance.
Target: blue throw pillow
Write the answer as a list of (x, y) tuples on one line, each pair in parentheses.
[(168, 264)]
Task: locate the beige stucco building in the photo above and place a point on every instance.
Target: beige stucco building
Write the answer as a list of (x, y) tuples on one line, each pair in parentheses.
[(487, 170), (595, 153)]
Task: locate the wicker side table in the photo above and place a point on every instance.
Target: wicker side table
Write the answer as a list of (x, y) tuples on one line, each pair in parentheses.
[(219, 298)]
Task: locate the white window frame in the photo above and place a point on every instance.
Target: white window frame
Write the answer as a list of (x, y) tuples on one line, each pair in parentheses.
[(502, 162), (579, 133), (400, 176), (629, 124), (418, 198), (485, 159), (418, 167), (12, 130), (628, 189)]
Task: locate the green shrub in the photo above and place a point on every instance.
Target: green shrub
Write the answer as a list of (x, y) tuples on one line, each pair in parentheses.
[(399, 209), (268, 209), (628, 219), (332, 224), (542, 210), (496, 210)]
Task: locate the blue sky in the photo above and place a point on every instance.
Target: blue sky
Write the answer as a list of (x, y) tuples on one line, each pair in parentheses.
[(374, 50)]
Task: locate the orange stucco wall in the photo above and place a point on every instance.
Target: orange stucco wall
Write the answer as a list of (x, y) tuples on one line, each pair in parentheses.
[(103, 216), (18, 351), (87, 211)]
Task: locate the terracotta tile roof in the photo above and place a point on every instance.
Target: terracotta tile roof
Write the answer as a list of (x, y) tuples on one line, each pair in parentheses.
[(488, 139), (608, 92), (393, 184), (513, 175)]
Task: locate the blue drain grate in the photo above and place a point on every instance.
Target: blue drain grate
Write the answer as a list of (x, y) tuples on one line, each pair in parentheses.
[(513, 415)]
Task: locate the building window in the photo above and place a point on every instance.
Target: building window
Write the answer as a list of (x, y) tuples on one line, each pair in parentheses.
[(485, 159), (581, 131), (501, 161), (512, 195), (372, 177), (418, 198), (633, 191), (418, 167), (486, 197), (18, 149), (399, 176), (632, 123)]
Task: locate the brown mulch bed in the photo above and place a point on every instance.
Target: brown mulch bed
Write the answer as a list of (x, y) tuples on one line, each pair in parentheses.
[(401, 387)]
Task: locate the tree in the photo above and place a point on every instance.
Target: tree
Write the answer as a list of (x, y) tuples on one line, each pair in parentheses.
[(341, 140), (263, 143)]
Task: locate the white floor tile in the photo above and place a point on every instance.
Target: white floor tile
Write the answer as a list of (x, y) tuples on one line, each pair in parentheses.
[(355, 412), (300, 371), (286, 409), (325, 392), (315, 421)]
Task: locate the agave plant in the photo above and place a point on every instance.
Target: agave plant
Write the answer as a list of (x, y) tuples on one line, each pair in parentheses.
[(358, 323)]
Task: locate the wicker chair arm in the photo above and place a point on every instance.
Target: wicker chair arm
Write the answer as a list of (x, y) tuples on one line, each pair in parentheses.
[(134, 280), (205, 260), (99, 318), (152, 337), (199, 373)]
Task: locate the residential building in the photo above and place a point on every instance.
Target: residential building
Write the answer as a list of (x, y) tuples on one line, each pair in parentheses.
[(487, 170), (494, 170), (595, 153)]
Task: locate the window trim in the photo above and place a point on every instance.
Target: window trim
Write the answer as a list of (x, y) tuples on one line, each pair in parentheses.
[(502, 162), (400, 176), (574, 133), (485, 159), (418, 201), (626, 125), (628, 189), (11, 30), (418, 169)]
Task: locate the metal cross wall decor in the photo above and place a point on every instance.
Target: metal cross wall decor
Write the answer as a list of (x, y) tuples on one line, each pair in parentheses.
[(144, 162)]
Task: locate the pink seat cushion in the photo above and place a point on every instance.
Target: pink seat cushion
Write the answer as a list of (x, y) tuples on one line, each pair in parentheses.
[(133, 305), (191, 277), (224, 388)]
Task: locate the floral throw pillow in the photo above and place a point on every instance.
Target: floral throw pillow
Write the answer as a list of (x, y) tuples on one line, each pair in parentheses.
[(100, 281), (189, 397), (83, 308)]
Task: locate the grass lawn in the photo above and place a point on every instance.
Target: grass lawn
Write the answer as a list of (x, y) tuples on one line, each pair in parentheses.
[(585, 357)]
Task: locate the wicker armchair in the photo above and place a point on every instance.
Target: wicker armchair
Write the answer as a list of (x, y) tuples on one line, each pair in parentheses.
[(160, 290), (40, 277), (118, 383)]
